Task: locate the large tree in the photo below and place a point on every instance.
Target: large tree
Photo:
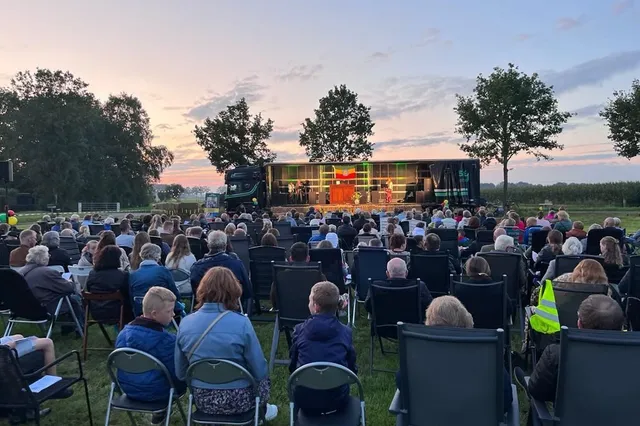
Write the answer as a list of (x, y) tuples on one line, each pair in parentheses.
[(235, 138), (509, 113), (340, 129), (622, 114)]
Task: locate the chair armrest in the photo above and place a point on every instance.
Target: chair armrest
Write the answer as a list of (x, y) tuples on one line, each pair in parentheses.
[(56, 362), (541, 412), (396, 404)]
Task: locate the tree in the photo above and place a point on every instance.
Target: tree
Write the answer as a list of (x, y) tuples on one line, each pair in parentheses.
[(509, 113), (174, 190), (340, 129), (622, 114), (235, 138)]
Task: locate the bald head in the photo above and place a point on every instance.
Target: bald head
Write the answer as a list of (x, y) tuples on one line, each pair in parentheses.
[(396, 268), (497, 232)]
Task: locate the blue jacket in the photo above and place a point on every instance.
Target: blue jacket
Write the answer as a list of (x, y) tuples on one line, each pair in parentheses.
[(236, 266), (528, 232), (233, 339), (150, 274), (318, 237), (322, 338), (151, 337)]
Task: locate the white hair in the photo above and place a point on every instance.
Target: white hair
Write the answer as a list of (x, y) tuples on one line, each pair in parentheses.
[(217, 240), (572, 246), (74, 217), (503, 242), (66, 233), (109, 221), (397, 268), (51, 239), (332, 228), (466, 214), (38, 255), (150, 251), (448, 213), (242, 226), (439, 214)]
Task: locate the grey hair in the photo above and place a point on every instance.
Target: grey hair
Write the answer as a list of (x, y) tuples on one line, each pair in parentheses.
[(572, 247), (25, 235), (74, 217), (217, 240), (66, 233), (448, 213), (466, 214), (397, 268), (46, 218), (502, 242), (243, 226), (51, 239), (59, 220), (109, 221), (332, 228), (38, 255), (150, 251)]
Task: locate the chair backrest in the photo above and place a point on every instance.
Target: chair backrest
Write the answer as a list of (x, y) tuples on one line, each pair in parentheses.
[(331, 260), (284, 228), (433, 270), (590, 392), (286, 243), (253, 230), (505, 264), (634, 272), (80, 271), (405, 227), (567, 263), (136, 225), (450, 247), (569, 296), (217, 226), (426, 391), (365, 238), (595, 235), (323, 376), (514, 232), (394, 301), (261, 269), (411, 244), (487, 303), (484, 237), (303, 233), (96, 229), (241, 247), (470, 233), (17, 297), (116, 228), (346, 242), (179, 274), (15, 389), (158, 241), (4, 254), (196, 247), (134, 361), (292, 288), (218, 372), (371, 264), (333, 221), (538, 239), (71, 246), (445, 234)]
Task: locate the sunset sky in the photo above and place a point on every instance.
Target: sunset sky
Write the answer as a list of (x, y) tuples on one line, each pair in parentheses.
[(406, 59)]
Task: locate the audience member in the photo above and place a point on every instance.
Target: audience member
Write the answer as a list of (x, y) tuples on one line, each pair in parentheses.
[(432, 247), (571, 247), (88, 252), (322, 233), (57, 256), (18, 256), (491, 247), (269, 240), (181, 258), (551, 249), (577, 231), (563, 224), (531, 227), (613, 259), (108, 238), (126, 237)]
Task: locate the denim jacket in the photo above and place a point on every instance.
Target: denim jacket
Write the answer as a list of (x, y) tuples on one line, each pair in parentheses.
[(232, 339)]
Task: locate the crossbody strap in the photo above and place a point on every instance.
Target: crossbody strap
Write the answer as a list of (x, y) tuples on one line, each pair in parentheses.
[(205, 332)]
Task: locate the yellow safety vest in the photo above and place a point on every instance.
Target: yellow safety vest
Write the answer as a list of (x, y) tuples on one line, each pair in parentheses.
[(545, 320)]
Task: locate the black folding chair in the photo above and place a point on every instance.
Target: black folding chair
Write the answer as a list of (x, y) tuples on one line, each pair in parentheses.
[(96, 229), (433, 270), (484, 237), (16, 393), (595, 235), (284, 228), (538, 240), (370, 263), (405, 227), (158, 241), (292, 288), (589, 393), (241, 247), (260, 267), (325, 376), (426, 396), (470, 233), (303, 233), (196, 247), (135, 361), (286, 243), (392, 303), (567, 263), (136, 225), (71, 246), (331, 260), (4, 254), (445, 234), (217, 226)]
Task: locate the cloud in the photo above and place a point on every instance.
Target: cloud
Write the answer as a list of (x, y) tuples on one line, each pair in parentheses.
[(429, 36), (284, 135), (565, 24), (381, 56), (620, 7), (164, 126), (588, 111), (524, 36), (290, 157), (248, 88), (434, 138), (301, 73), (592, 72)]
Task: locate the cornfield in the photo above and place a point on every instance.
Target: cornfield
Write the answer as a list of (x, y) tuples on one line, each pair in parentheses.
[(607, 194)]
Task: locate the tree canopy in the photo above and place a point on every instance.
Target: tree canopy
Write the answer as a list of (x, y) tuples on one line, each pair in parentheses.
[(67, 146), (340, 129), (509, 113), (235, 138), (622, 114)]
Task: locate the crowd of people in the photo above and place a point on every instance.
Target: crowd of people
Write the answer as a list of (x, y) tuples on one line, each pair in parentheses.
[(140, 264)]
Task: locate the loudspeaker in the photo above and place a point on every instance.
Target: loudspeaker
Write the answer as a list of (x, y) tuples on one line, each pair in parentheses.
[(6, 171)]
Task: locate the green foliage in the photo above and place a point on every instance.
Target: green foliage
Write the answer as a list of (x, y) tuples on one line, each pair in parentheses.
[(340, 129), (173, 190), (68, 147), (235, 138), (622, 114), (509, 113), (588, 194)]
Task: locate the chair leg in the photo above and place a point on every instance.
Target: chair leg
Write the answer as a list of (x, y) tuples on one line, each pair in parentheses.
[(371, 355), (73, 315), (106, 421), (105, 334), (86, 394), (167, 418), (189, 409), (184, 417), (274, 344), (85, 336)]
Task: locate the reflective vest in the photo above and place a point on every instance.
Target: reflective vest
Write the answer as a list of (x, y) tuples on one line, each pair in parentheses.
[(545, 320)]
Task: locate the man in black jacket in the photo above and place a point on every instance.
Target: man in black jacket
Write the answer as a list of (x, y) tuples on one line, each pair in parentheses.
[(346, 232), (596, 312), (432, 247)]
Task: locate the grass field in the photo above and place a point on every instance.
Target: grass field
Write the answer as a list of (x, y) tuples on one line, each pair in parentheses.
[(379, 387)]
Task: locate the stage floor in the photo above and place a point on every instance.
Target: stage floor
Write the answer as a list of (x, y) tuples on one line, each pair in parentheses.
[(346, 207)]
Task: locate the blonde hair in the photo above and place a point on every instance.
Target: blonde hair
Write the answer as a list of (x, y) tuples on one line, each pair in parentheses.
[(589, 271), (179, 250), (562, 215), (230, 229), (447, 311), (611, 253), (156, 299)]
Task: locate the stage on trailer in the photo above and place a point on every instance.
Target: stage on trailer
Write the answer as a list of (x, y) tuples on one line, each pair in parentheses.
[(346, 207)]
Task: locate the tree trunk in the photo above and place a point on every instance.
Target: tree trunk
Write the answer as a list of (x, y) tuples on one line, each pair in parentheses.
[(505, 180)]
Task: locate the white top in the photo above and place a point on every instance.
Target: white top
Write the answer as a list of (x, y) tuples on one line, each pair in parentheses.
[(449, 223), (543, 223), (464, 222), (124, 240), (185, 263)]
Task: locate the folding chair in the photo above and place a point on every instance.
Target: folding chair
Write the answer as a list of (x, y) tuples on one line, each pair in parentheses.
[(261, 270), (96, 229), (567, 263), (589, 393), (426, 396), (292, 288), (370, 263), (325, 376), (16, 393), (71, 246), (241, 247), (392, 301), (135, 361), (80, 274), (196, 247), (87, 298), (220, 372), (183, 283), (286, 243), (433, 270), (595, 235), (284, 228)]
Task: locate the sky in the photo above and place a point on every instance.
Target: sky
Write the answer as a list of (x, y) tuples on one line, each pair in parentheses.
[(406, 60)]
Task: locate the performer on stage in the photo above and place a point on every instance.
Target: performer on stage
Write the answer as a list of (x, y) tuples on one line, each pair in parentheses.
[(292, 192), (388, 191), (299, 191)]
